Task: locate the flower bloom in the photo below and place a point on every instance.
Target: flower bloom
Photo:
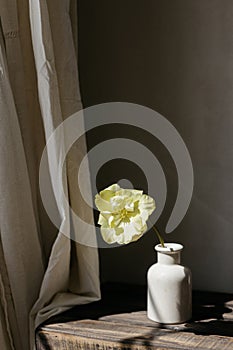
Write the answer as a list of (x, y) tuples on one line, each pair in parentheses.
[(123, 213)]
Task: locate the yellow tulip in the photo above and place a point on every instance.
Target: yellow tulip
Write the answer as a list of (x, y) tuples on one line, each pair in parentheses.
[(123, 213)]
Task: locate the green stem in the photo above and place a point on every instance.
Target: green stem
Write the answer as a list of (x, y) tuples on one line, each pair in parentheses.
[(161, 240)]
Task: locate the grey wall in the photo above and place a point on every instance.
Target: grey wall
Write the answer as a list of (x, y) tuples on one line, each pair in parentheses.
[(175, 56)]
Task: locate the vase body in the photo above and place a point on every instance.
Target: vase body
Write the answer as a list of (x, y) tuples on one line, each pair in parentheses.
[(169, 297)]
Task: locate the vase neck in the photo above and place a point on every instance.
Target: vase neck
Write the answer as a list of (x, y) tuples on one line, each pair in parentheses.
[(169, 254), (168, 259)]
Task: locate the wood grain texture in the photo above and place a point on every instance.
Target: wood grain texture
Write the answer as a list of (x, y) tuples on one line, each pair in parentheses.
[(119, 321)]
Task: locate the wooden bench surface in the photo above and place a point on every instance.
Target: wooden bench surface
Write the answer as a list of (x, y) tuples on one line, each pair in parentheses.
[(119, 321)]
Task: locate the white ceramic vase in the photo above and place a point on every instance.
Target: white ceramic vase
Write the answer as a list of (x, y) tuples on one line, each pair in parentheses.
[(169, 298)]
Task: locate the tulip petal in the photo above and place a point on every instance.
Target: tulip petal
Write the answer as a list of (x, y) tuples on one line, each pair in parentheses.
[(101, 204)]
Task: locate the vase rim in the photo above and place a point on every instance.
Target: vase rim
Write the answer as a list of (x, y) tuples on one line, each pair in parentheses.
[(169, 248)]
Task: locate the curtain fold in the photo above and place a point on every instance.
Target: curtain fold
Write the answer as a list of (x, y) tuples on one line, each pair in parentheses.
[(42, 272)]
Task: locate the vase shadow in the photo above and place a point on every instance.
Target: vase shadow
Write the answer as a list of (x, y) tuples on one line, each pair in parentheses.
[(208, 305)]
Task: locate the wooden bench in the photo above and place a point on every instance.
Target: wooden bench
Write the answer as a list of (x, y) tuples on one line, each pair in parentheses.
[(119, 321)]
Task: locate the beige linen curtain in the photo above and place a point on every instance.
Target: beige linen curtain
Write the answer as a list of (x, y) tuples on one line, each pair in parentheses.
[(42, 271)]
